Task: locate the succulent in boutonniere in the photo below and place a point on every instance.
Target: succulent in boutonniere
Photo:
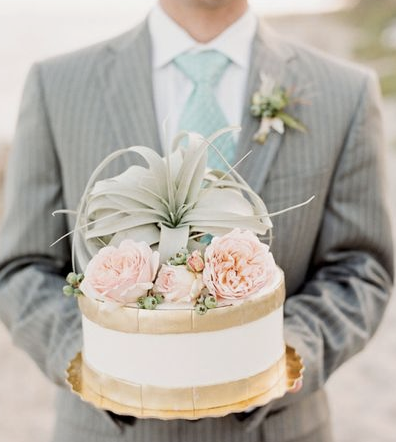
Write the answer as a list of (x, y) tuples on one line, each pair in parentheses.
[(269, 104)]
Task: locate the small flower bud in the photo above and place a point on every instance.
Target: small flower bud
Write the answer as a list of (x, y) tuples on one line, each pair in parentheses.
[(195, 262), (179, 259), (72, 278), (210, 301), (160, 298), (68, 290), (140, 301), (150, 303), (201, 309)]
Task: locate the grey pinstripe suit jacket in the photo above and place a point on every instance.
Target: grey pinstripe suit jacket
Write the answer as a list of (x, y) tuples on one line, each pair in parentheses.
[(336, 252)]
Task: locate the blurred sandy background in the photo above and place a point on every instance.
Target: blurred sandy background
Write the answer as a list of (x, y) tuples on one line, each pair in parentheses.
[(362, 392)]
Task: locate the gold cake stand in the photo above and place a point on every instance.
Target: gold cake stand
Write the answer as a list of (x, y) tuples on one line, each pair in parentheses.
[(291, 376)]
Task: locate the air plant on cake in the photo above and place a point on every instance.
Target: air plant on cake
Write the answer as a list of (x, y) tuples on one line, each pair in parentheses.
[(154, 219), (170, 204)]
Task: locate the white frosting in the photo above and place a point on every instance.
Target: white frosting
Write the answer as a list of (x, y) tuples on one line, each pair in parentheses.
[(185, 359)]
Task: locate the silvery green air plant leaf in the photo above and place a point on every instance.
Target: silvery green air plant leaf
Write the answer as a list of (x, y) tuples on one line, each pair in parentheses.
[(172, 202)]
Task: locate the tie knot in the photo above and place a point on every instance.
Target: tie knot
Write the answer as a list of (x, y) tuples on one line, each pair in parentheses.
[(203, 67)]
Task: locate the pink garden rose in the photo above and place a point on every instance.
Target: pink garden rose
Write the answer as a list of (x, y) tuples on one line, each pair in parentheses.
[(178, 284), (237, 265), (195, 262), (121, 274)]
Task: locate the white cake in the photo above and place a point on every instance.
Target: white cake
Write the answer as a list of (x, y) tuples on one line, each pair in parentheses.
[(174, 359), (181, 301)]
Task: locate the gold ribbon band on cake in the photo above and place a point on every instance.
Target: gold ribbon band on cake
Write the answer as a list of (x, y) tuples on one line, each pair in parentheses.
[(135, 320), (287, 382), (189, 399)]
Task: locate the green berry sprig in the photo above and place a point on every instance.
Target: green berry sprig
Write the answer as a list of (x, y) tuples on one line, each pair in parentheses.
[(204, 302), (201, 309), (73, 284), (179, 259), (150, 301)]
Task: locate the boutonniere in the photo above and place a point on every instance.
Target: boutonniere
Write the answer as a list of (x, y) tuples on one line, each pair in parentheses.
[(269, 104)]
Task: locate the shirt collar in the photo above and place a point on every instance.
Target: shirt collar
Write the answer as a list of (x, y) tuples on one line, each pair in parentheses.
[(234, 42)]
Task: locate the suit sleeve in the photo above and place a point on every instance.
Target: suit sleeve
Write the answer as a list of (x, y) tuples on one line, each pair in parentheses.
[(40, 319), (340, 307)]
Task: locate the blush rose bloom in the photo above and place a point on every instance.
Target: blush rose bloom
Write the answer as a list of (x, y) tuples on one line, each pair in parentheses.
[(178, 284), (121, 274), (237, 265)]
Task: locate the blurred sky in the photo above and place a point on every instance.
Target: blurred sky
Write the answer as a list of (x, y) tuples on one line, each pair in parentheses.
[(31, 30)]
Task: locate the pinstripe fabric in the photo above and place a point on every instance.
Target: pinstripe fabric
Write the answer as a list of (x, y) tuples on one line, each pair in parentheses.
[(336, 253)]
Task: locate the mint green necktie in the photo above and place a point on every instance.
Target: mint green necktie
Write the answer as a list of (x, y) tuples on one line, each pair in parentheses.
[(202, 112)]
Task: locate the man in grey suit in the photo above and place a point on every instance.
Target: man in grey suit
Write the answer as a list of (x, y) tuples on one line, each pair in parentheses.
[(336, 253)]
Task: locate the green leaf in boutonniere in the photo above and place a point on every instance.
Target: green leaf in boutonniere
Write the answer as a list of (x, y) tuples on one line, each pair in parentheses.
[(292, 122), (269, 104)]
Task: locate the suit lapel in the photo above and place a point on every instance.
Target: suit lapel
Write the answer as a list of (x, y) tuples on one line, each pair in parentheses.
[(126, 79), (268, 56)]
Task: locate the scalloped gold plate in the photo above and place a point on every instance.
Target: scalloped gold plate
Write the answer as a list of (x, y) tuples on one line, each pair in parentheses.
[(292, 375)]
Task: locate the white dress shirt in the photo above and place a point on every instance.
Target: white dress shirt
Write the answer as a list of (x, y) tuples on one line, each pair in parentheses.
[(172, 88)]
